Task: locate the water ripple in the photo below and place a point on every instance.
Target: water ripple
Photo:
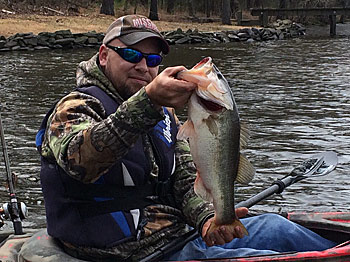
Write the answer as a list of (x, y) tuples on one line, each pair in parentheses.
[(294, 95)]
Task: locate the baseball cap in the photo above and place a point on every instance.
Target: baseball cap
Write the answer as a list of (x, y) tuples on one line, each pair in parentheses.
[(131, 29)]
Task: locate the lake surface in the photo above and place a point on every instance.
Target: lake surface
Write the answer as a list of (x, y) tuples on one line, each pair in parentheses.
[(293, 94)]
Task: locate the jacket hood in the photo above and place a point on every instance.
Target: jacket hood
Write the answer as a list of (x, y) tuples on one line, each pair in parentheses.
[(89, 73)]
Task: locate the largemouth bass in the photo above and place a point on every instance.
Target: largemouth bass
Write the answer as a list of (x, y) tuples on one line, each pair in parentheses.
[(214, 132)]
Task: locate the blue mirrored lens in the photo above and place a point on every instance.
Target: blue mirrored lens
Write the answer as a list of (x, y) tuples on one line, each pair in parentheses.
[(132, 55), (153, 60)]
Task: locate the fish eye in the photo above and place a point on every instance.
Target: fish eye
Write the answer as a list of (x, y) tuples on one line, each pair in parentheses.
[(220, 76)]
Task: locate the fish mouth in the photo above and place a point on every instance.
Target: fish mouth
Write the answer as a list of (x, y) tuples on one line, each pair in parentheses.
[(211, 106), (203, 62), (212, 90)]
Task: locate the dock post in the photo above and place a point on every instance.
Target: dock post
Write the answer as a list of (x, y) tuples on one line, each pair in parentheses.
[(239, 17), (264, 19), (333, 24)]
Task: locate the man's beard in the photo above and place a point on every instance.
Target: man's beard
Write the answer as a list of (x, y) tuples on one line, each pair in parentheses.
[(125, 91)]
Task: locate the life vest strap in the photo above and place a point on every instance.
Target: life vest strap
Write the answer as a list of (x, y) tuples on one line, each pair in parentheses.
[(102, 199)]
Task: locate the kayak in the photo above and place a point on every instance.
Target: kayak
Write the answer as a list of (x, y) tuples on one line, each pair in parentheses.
[(334, 226), (37, 246)]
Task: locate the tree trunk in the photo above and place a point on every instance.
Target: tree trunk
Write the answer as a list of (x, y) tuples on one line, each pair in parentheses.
[(344, 3), (191, 8), (234, 8), (107, 7), (282, 4), (153, 12), (243, 4), (125, 6), (226, 12), (135, 5), (170, 6), (207, 7), (144, 3), (249, 4)]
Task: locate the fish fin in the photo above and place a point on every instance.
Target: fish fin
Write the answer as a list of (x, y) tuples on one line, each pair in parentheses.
[(212, 126), (201, 190), (246, 171), (186, 130), (244, 135), (231, 228)]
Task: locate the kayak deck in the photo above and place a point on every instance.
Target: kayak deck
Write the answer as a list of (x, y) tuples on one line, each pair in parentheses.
[(38, 246), (334, 226)]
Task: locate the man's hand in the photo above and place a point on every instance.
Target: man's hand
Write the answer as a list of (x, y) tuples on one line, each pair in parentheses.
[(222, 235), (166, 90)]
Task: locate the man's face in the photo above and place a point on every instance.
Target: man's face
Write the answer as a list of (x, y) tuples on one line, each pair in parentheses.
[(126, 77)]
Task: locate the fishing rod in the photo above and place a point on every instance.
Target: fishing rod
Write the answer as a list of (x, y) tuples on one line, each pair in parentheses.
[(11, 209), (317, 165)]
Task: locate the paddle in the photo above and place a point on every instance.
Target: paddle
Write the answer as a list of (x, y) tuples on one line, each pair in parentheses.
[(12, 207), (317, 165)]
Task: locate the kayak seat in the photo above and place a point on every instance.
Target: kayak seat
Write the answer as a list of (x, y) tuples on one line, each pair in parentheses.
[(43, 248)]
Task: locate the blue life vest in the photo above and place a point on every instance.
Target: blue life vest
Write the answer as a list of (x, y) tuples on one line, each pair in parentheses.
[(109, 211)]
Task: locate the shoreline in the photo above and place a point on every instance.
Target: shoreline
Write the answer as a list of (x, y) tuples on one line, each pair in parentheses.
[(33, 23), (21, 32)]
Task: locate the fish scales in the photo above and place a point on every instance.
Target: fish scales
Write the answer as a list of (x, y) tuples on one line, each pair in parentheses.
[(213, 130), (216, 159)]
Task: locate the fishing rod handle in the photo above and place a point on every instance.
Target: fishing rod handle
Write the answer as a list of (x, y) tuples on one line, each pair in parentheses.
[(16, 220), (17, 226)]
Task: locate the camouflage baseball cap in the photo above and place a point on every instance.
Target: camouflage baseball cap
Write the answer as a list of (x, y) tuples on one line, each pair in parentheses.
[(131, 29)]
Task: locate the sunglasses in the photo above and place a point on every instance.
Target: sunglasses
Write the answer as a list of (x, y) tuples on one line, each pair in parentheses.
[(134, 56)]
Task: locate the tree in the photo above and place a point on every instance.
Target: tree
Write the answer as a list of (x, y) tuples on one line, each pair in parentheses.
[(191, 9), (226, 12), (170, 7), (144, 3), (282, 4), (107, 7), (153, 12), (208, 7), (125, 9), (243, 4)]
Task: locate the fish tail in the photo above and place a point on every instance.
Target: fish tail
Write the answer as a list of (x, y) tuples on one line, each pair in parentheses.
[(231, 227)]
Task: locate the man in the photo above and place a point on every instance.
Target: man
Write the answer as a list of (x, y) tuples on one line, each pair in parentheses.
[(116, 182)]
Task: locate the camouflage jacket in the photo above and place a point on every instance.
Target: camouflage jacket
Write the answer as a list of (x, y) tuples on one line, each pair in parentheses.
[(79, 139)]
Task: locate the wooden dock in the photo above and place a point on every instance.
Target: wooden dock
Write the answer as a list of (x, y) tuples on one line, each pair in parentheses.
[(331, 12)]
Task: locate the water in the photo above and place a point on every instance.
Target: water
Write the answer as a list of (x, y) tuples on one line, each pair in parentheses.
[(293, 94)]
